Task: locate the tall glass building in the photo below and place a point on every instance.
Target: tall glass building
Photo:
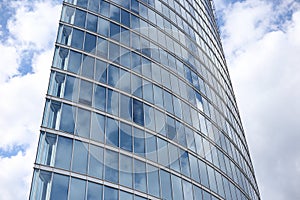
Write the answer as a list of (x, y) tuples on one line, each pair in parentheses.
[(140, 106)]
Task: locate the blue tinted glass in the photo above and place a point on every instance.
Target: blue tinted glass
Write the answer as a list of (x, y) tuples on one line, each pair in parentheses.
[(67, 119), (95, 161), (149, 117), (94, 191), (136, 86), (111, 172), (174, 157), (212, 179), (187, 190), (158, 96), (124, 84), (162, 148), (125, 18), (63, 153), (203, 173), (110, 193), (100, 71), (114, 31), (168, 103), (100, 97), (80, 18), (139, 141), (125, 137), (97, 127), (82, 3), (74, 62), (113, 102), (77, 39), (80, 157), (112, 132), (59, 188), (114, 52), (197, 193), (135, 6), (69, 87), (170, 128), (103, 27), (177, 187), (114, 13), (184, 163), (125, 58), (153, 180), (104, 8), (134, 22), (151, 147), (91, 23), (126, 171), (160, 122), (125, 107), (136, 60), (125, 195), (140, 175), (88, 67), (148, 91), (86, 92), (83, 123), (94, 5), (166, 185), (138, 112), (90, 43), (113, 75), (77, 189), (194, 168), (190, 139)]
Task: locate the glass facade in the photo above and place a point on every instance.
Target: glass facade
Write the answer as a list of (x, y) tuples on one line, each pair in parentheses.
[(140, 106)]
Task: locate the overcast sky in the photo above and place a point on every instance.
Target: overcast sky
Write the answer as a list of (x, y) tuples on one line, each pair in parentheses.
[(261, 40)]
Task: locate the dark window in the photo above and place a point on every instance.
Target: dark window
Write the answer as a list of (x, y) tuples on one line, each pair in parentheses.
[(91, 23), (90, 43), (77, 39), (67, 119), (80, 18), (59, 188), (138, 112)]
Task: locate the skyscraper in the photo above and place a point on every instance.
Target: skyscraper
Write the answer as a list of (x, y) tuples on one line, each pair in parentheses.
[(140, 106)]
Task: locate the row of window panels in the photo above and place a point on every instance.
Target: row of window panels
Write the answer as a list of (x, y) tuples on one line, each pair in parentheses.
[(84, 158), (94, 68), (139, 62), (104, 28), (109, 131), (53, 186)]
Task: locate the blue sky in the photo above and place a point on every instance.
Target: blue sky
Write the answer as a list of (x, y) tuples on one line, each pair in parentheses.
[(261, 42)]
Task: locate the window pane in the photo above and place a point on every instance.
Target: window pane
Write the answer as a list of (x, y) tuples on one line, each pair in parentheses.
[(100, 71), (77, 189), (83, 123), (115, 13), (100, 97), (96, 161), (74, 62), (203, 173), (168, 103), (112, 102), (97, 127), (112, 132), (125, 195), (149, 117), (77, 39), (113, 75), (177, 187), (82, 3), (153, 180), (111, 166), (184, 163), (94, 191), (86, 92), (93, 5), (110, 193), (60, 186), (162, 149), (158, 96), (102, 48), (125, 18), (92, 20), (80, 157), (139, 141), (148, 91), (139, 175), (165, 183), (138, 112), (187, 190), (104, 8), (125, 107), (103, 27), (194, 168), (151, 147), (136, 86), (79, 18), (88, 67), (125, 137), (174, 157), (126, 170), (63, 153), (90, 43), (67, 119)]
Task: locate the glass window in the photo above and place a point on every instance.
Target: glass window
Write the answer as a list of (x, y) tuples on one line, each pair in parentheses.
[(77, 39), (138, 112), (74, 62), (170, 128), (162, 152), (90, 43), (187, 190), (135, 58), (113, 75), (197, 193), (94, 5), (52, 110), (92, 21), (151, 147), (111, 166), (113, 102), (199, 144), (63, 153), (82, 3), (115, 13), (83, 123), (67, 119), (140, 176), (80, 157), (149, 117), (59, 188), (95, 161), (40, 185), (94, 191), (125, 18), (67, 14), (126, 195), (203, 173), (110, 193), (126, 170), (125, 107), (125, 57), (194, 168), (156, 76), (135, 6), (199, 101), (100, 71), (114, 52), (184, 163), (60, 57), (114, 31), (220, 184), (168, 103), (88, 67), (86, 92), (177, 187), (158, 96), (46, 149), (125, 137), (112, 132), (80, 18), (139, 141), (64, 35), (136, 86), (77, 189), (165, 78), (103, 27), (165, 183), (174, 157), (160, 122), (100, 97), (134, 22), (153, 180), (124, 84), (104, 8), (186, 113), (190, 139), (212, 179), (180, 134), (177, 107)]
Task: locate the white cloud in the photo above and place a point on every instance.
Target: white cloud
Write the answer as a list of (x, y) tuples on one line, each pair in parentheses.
[(262, 46), (22, 97)]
